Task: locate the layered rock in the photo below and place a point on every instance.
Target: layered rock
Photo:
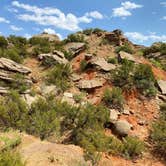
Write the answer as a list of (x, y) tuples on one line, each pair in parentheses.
[(56, 57), (10, 71), (102, 64), (9, 65), (125, 55), (90, 84), (117, 38), (75, 47)]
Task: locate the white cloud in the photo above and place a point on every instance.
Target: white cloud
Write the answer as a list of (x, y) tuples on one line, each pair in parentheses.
[(139, 37), (15, 28), (95, 14), (4, 20), (48, 16), (163, 4), (125, 9), (52, 31)]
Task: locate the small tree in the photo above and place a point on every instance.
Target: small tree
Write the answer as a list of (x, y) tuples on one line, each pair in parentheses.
[(114, 98), (3, 42), (144, 80), (59, 75)]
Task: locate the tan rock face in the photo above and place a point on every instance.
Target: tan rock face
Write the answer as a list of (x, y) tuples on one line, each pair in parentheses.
[(162, 86), (50, 37), (102, 64), (90, 84), (8, 71), (125, 55), (75, 48), (9, 65), (56, 57)]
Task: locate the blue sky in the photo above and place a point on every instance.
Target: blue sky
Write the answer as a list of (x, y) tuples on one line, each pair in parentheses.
[(142, 21)]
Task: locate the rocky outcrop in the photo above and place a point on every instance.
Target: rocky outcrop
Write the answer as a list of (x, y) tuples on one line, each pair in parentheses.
[(9, 65), (102, 64), (4, 90), (125, 55), (50, 37), (75, 48), (12, 77), (56, 57), (11, 71), (162, 86), (122, 127), (117, 38), (90, 84)]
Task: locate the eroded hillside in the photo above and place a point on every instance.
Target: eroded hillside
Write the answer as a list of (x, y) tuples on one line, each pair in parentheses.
[(95, 99)]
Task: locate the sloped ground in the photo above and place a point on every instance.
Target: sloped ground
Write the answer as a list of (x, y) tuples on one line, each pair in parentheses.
[(143, 111), (42, 153)]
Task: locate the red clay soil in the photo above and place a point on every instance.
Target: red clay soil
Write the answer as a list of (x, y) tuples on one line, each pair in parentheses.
[(158, 73), (76, 62)]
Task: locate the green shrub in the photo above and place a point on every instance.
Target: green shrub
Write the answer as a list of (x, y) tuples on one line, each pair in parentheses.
[(43, 119), (8, 158), (114, 98), (13, 54), (13, 112), (41, 45), (59, 76), (19, 83), (89, 130), (3, 42), (122, 76), (75, 38), (112, 60), (79, 97), (10, 142), (83, 65), (126, 47), (88, 31), (94, 157), (158, 133), (144, 80), (68, 55), (133, 147)]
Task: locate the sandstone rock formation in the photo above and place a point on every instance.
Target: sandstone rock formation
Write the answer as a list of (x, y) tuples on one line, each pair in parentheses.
[(56, 57), (50, 37), (9, 65), (90, 84), (102, 64), (75, 48)]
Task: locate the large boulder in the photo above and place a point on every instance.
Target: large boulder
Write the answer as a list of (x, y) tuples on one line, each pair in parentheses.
[(90, 84), (125, 55), (9, 65), (162, 86), (56, 57), (122, 127), (75, 47), (102, 64)]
